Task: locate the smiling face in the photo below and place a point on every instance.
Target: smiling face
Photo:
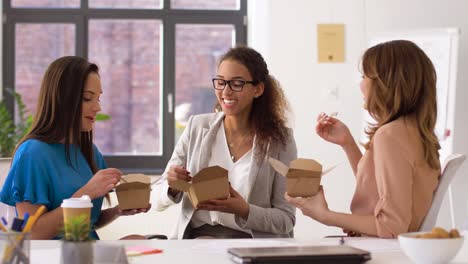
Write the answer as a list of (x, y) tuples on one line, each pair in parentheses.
[(91, 101), (236, 103)]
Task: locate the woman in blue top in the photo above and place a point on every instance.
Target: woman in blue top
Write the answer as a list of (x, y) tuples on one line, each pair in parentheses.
[(57, 159)]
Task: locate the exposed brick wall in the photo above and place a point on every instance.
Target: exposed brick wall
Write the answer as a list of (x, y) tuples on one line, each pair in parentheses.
[(36, 47)]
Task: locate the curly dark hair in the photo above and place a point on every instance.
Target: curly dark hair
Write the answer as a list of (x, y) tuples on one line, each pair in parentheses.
[(268, 114)]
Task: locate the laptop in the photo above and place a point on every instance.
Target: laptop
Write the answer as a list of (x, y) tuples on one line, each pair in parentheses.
[(299, 255)]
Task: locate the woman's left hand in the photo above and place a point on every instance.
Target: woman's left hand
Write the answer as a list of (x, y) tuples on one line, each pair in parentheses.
[(315, 207), (234, 204), (120, 212)]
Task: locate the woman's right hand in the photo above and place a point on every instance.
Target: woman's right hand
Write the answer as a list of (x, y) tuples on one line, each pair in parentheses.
[(177, 173), (101, 183), (333, 130)]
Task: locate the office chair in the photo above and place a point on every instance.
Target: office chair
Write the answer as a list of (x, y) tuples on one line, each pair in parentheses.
[(449, 170)]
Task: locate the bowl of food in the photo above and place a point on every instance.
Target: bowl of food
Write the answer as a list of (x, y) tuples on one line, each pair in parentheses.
[(437, 246)]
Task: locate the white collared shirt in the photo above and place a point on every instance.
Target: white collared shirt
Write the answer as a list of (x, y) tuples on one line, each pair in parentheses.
[(239, 177)]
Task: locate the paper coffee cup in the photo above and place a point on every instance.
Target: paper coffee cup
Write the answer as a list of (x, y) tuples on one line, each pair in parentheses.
[(74, 207)]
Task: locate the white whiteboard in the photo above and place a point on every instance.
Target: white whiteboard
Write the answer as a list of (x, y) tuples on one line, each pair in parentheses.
[(441, 46)]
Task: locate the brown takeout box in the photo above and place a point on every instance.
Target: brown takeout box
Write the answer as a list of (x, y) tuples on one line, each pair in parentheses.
[(209, 183), (302, 176), (133, 191)]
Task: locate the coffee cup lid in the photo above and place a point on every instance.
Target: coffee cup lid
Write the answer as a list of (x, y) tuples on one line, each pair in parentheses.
[(81, 202)]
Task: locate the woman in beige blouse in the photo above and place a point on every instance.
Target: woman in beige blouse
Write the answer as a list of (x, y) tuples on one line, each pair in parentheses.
[(397, 175)]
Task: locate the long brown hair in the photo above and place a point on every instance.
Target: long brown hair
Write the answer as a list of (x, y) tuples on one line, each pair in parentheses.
[(403, 83), (59, 108), (268, 114)]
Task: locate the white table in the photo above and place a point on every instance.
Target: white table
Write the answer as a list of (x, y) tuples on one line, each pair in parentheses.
[(214, 251)]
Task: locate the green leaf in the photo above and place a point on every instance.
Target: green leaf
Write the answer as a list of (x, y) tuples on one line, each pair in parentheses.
[(102, 117), (7, 131), (78, 229), (10, 132)]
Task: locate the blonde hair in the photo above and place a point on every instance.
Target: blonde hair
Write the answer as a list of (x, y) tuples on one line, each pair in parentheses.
[(403, 84)]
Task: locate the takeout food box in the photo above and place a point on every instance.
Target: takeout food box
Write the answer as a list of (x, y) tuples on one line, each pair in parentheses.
[(302, 176), (209, 183), (133, 191)]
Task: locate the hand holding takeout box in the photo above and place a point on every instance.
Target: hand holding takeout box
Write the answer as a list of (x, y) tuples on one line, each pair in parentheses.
[(302, 176), (209, 183), (133, 191)]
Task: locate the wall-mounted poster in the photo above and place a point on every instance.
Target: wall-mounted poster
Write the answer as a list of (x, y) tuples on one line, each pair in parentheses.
[(330, 43)]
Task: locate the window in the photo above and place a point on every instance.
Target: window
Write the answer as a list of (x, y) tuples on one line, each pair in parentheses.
[(156, 60), (33, 54), (45, 3), (204, 4), (194, 95), (128, 55), (143, 4)]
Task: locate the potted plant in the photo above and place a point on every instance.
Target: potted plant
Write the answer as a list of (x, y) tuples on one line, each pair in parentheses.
[(77, 246), (10, 131)]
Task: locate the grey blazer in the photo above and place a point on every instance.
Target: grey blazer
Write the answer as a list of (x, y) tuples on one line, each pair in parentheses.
[(269, 213)]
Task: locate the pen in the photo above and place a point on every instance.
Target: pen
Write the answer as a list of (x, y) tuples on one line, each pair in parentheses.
[(8, 253), (342, 241), (5, 222), (17, 224), (25, 220), (32, 219), (2, 227)]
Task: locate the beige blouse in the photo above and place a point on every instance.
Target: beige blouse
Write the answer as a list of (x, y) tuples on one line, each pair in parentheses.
[(393, 181)]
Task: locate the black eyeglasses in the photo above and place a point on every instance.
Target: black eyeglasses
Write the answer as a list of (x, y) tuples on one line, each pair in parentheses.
[(235, 85)]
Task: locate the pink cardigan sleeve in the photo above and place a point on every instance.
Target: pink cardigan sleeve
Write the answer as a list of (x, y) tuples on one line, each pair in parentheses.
[(394, 179)]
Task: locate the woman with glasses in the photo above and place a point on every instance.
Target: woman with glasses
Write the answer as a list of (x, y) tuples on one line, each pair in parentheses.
[(249, 125), (397, 175)]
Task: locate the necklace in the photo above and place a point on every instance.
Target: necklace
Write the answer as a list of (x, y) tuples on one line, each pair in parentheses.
[(237, 146)]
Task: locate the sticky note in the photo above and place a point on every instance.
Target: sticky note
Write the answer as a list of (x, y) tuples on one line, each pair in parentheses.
[(142, 250)]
